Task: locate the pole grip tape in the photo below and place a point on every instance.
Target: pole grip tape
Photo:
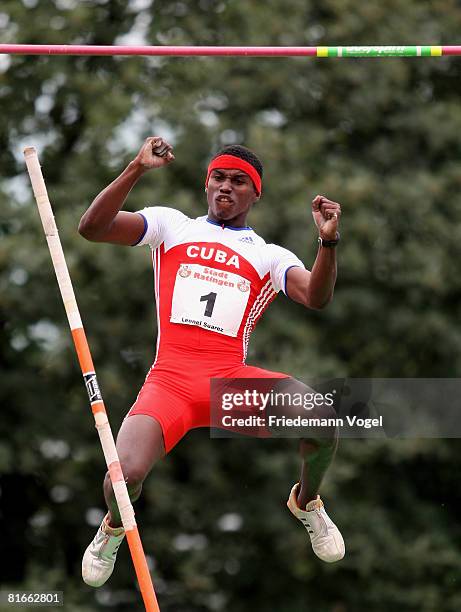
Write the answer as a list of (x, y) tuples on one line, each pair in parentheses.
[(92, 387)]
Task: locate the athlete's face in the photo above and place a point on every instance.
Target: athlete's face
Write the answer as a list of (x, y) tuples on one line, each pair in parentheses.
[(230, 196)]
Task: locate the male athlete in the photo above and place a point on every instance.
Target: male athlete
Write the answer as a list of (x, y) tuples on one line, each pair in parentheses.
[(204, 326)]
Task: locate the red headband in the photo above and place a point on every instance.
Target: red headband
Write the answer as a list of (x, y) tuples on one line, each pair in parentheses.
[(231, 162)]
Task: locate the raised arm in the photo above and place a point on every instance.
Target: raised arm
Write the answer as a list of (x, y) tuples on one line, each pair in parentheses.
[(314, 289), (103, 221)]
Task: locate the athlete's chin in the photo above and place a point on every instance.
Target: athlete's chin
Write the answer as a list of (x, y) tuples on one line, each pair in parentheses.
[(224, 212)]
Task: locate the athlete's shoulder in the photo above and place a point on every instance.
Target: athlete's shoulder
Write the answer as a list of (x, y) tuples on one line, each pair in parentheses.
[(274, 252), (277, 251), (269, 248), (159, 221), (280, 260), (255, 238), (163, 212)]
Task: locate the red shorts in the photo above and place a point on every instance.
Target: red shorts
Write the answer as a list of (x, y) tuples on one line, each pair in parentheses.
[(176, 391)]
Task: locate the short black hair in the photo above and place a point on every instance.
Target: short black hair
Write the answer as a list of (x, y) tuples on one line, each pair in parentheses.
[(243, 153)]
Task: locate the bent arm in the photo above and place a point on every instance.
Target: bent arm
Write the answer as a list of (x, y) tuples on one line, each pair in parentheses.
[(314, 289), (103, 221)]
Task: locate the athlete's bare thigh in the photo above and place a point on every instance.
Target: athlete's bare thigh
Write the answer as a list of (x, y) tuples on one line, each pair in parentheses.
[(140, 444)]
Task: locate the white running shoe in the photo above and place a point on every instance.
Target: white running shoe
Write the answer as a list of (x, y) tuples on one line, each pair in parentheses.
[(99, 558), (327, 541)]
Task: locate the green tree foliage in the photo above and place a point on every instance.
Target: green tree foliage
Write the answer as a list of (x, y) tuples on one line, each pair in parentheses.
[(379, 136)]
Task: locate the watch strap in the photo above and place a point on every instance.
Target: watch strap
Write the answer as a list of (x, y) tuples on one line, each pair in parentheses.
[(329, 244)]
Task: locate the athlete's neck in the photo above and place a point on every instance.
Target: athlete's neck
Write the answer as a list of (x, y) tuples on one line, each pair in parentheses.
[(237, 222), (227, 224)]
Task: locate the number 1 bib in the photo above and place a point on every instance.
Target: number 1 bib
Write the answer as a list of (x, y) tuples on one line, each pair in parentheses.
[(213, 299)]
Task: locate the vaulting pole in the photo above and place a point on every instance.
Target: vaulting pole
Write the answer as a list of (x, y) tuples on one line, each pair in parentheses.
[(86, 363), (184, 51)]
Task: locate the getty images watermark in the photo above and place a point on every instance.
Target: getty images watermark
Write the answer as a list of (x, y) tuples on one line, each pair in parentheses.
[(269, 410), (355, 408)]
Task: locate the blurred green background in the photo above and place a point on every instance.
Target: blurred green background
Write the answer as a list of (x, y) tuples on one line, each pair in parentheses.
[(380, 136)]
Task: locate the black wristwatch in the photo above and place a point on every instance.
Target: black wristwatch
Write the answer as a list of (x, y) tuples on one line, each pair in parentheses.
[(329, 244)]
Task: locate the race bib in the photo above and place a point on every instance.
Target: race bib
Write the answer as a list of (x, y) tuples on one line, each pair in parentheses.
[(210, 298)]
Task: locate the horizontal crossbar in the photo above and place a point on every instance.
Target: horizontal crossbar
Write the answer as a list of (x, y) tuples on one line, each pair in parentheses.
[(184, 51)]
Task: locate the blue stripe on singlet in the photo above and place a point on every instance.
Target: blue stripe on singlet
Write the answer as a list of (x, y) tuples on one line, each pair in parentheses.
[(236, 229), (285, 279), (144, 230)]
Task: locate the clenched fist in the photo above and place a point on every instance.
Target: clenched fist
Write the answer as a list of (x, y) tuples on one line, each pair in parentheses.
[(326, 216), (154, 153)]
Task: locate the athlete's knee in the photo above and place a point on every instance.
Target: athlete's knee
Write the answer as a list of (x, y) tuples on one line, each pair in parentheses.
[(318, 449), (327, 434), (133, 474), (324, 433), (318, 439)]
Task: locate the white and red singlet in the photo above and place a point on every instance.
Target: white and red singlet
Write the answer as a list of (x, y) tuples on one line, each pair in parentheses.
[(212, 285)]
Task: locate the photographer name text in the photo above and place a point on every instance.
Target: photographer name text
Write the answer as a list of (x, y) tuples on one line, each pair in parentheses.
[(282, 421)]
